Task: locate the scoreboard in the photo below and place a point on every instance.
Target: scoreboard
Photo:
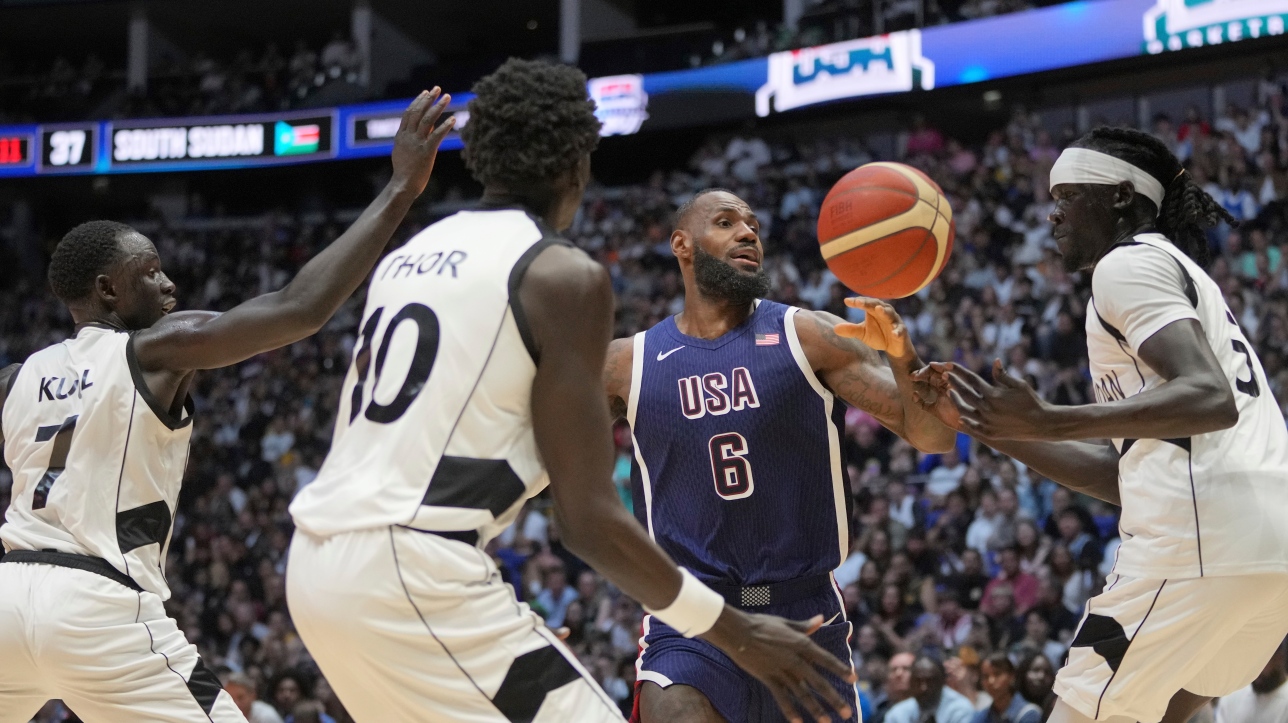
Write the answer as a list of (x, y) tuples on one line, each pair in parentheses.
[(15, 150)]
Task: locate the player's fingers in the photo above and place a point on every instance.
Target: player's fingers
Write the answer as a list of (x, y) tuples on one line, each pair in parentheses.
[(430, 117), (943, 367), (852, 331), (411, 116), (1003, 378), (831, 698), (967, 380), (783, 700), (963, 407), (829, 662), (804, 697), (438, 134)]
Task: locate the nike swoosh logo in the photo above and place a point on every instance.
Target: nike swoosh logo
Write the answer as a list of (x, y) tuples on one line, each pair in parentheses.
[(663, 355), (831, 619)]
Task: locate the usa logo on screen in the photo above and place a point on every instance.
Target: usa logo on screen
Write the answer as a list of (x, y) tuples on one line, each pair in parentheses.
[(621, 104), (890, 63)]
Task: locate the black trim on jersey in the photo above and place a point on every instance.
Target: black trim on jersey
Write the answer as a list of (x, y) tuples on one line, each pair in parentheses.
[(204, 685), (1194, 497), (1113, 330), (152, 646), (531, 677), (548, 238), (1101, 700), (141, 385), (96, 565), (8, 387), (476, 484), (143, 525)]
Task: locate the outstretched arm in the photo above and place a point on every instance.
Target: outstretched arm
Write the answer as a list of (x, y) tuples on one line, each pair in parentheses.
[(6, 380), (207, 340), (1195, 399), (846, 358), (569, 304), (1087, 467)]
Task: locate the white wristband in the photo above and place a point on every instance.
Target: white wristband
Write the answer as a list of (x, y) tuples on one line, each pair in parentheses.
[(694, 610)]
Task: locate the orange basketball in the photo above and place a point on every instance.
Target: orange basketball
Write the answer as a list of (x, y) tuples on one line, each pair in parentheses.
[(885, 230)]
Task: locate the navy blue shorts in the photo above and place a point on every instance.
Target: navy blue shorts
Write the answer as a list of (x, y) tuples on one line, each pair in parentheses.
[(668, 658)]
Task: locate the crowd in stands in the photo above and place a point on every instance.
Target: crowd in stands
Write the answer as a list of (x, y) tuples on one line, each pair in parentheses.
[(967, 572), (189, 85)]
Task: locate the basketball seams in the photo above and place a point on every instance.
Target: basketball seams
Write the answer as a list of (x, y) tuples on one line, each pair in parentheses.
[(886, 189), (921, 215)]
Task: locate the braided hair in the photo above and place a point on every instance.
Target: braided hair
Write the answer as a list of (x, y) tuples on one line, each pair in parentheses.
[(84, 253), (1187, 211)]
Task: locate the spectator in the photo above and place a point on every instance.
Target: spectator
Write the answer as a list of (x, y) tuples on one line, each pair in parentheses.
[(1007, 705), (963, 674), (288, 690), (947, 476), (1035, 678), (898, 686), (555, 595), (950, 626), (242, 690), (1023, 586), (1265, 700), (309, 711), (930, 694), (1037, 639)]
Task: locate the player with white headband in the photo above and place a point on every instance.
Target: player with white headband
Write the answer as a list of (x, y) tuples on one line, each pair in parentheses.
[(1197, 600)]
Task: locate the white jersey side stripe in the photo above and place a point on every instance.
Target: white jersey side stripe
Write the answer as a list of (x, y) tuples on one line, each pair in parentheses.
[(632, 406), (833, 440)]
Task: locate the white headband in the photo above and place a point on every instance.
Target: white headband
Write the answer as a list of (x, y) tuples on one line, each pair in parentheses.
[(1082, 165)]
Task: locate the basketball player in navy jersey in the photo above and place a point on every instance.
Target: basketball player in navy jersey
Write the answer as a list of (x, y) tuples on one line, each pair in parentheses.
[(738, 475)]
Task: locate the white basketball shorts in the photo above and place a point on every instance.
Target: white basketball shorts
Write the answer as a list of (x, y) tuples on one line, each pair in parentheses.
[(109, 652), (409, 626), (1140, 641)]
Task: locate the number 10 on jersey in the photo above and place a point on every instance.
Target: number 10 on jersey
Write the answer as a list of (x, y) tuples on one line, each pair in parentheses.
[(730, 466)]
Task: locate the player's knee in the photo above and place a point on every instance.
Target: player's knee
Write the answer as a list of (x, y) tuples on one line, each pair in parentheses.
[(675, 704)]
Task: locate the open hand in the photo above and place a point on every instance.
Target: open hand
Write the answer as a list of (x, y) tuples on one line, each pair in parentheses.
[(881, 328), (780, 654), (1006, 409), (416, 143)]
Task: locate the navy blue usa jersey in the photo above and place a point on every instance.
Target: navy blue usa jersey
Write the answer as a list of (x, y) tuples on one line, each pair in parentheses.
[(738, 471)]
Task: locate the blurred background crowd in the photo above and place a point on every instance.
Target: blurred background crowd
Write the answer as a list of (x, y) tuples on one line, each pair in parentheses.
[(329, 67), (959, 563)]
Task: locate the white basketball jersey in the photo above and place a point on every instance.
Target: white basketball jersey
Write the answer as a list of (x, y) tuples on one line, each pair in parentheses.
[(1212, 504), (97, 460), (434, 430)]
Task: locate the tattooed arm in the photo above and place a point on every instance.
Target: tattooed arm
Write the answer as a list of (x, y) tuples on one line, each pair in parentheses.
[(857, 373), (617, 374)]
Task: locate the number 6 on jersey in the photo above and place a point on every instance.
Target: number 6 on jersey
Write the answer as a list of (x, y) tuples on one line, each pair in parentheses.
[(730, 466)]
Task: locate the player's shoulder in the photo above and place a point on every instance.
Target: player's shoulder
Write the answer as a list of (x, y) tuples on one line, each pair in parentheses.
[(1138, 260), (560, 270)]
